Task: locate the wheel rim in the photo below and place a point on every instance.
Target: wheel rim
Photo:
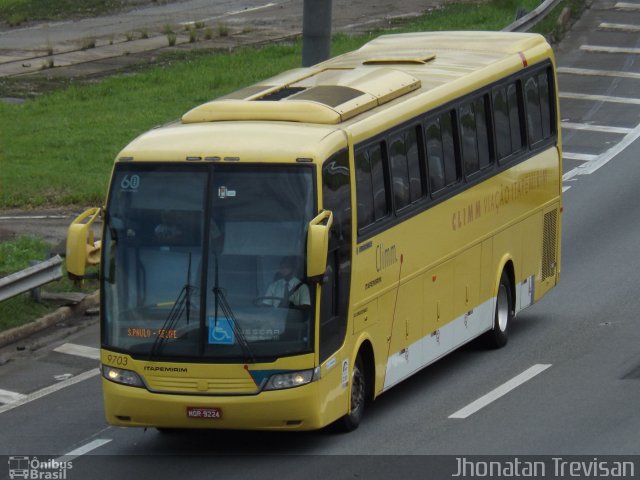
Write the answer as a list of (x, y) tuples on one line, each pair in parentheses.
[(357, 391), (502, 310)]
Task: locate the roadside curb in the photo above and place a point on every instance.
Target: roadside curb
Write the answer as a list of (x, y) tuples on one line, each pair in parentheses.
[(15, 334)]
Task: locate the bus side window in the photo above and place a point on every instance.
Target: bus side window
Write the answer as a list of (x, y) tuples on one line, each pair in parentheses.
[(405, 168), (435, 156), (484, 150), (442, 162), (380, 204), (364, 190), (399, 173), (451, 164), (336, 194), (416, 186), (534, 119), (469, 139), (371, 184), (476, 151), (540, 113), (514, 104), (334, 301), (545, 107), (506, 112)]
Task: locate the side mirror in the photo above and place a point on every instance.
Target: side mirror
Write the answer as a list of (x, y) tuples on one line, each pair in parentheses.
[(82, 249), (318, 244)]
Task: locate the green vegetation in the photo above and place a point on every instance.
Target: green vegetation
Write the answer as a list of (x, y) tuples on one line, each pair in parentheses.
[(15, 256)]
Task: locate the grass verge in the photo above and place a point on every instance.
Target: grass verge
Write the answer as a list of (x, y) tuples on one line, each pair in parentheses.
[(15, 256)]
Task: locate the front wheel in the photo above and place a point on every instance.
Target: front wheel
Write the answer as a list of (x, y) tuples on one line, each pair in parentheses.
[(352, 419), (497, 337)]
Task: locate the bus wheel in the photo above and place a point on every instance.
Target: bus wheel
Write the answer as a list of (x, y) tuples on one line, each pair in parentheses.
[(352, 419), (497, 337)]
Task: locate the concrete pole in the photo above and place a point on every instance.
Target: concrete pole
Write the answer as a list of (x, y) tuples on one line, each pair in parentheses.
[(316, 31)]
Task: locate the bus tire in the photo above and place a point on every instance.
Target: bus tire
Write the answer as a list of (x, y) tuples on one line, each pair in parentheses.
[(358, 393), (497, 337)]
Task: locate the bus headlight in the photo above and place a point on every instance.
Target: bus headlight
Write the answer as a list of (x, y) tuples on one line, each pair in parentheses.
[(125, 377), (280, 381)]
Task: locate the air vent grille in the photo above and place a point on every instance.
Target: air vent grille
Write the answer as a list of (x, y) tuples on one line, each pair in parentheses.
[(549, 260)]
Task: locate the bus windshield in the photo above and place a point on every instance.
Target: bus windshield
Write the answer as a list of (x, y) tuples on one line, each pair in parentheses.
[(207, 261)]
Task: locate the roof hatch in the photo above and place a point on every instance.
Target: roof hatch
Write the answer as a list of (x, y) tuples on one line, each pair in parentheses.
[(405, 60)]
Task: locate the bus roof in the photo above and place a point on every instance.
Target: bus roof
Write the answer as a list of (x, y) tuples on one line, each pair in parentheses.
[(385, 69), (405, 72)]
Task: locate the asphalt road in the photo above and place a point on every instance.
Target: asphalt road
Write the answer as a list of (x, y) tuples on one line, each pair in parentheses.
[(583, 340)]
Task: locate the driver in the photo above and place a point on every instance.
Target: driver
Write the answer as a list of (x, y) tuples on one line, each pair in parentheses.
[(287, 290)]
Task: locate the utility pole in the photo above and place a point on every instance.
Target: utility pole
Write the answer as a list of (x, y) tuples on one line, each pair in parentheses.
[(316, 31)]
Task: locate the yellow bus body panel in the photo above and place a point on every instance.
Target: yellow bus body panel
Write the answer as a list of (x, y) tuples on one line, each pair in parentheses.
[(418, 289)]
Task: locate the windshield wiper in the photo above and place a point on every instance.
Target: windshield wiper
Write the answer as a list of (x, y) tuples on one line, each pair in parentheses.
[(221, 302), (180, 306)]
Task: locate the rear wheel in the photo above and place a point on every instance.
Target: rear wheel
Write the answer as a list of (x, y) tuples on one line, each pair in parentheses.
[(352, 419), (497, 337)]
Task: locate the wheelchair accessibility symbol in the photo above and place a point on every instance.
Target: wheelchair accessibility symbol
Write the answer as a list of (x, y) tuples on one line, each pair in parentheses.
[(221, 331)]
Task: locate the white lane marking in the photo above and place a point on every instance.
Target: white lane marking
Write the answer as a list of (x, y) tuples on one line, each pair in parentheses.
[(589, 167), (229, 14), (598, 73), (565, 188), (97, 443), (623, 27), (583, 157), (606, 49), (79, 351), (7, 396), (251, 9), (596, 128), (50, 389), (502, 390), (627, 6), (599, 98)]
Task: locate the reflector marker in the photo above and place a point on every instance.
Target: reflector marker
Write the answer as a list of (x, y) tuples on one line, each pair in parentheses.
[(524, 59)]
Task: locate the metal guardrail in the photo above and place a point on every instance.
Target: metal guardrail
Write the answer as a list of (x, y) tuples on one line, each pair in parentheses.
[(30, 278), (524, 23)]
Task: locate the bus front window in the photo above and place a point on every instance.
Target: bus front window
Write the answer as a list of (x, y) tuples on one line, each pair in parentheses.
[(208, 261), (258, 228)]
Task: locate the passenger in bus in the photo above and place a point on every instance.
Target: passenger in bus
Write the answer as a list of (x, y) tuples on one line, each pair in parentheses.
[(287, 290)]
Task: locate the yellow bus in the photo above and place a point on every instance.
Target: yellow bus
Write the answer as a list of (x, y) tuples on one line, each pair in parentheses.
[(286, 253)]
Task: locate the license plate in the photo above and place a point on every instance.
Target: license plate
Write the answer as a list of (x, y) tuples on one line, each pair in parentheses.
[(211, 413)]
